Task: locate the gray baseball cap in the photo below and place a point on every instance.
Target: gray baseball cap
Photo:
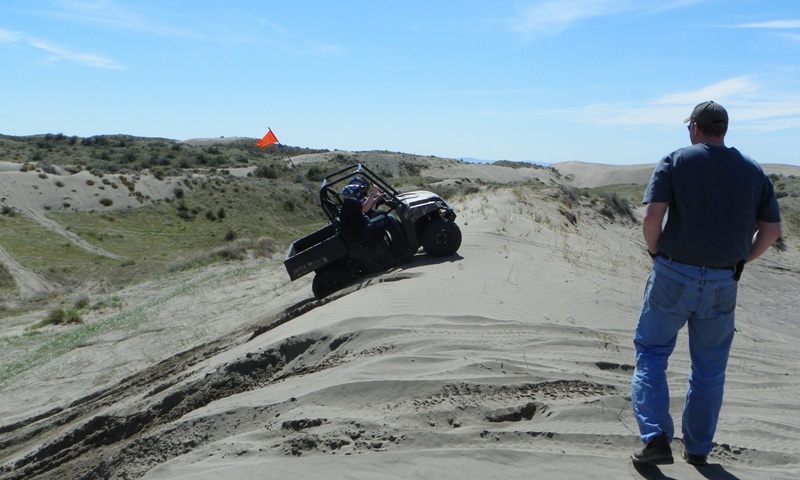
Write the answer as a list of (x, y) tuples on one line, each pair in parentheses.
[(708, 113)]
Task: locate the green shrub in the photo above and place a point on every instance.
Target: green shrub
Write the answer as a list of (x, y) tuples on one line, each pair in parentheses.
[(616, 205), (61, 316), (316, 173), (266, 171), (81, 301), (184, 211)]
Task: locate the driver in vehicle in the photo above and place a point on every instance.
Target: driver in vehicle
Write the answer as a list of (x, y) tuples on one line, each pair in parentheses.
[(359, 222)]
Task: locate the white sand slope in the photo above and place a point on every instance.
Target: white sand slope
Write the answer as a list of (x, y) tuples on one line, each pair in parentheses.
[(511, 360)]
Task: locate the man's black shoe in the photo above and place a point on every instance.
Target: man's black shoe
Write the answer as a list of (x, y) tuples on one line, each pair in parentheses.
[(656, 452), (697, 460)]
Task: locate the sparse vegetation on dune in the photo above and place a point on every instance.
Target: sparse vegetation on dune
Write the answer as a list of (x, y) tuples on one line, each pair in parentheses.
[(787, 189), (125, 153), (215, 215), (212, 214)]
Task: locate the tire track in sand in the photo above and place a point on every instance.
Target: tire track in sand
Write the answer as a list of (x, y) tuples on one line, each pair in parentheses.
[(55, 227), (31, 283)]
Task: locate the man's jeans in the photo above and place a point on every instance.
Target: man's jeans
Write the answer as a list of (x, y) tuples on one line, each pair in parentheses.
[(705, 298)]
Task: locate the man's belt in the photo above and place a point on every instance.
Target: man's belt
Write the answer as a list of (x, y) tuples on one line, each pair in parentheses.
[(672, 259)]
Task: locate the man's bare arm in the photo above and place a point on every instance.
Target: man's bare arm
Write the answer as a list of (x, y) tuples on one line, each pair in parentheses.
[(652, 221), (766, 234)]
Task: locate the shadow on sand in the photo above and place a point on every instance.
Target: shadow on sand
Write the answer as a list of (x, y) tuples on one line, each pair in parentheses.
[(711, 472)]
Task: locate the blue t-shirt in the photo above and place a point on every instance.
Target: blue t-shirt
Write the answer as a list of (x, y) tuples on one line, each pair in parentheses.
[(715, 197)]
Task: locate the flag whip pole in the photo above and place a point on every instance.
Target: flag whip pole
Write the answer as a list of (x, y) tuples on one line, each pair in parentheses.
[(302, 177), (271, 139)]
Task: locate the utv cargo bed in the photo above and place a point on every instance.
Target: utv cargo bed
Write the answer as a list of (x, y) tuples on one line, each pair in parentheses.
[(314, 251)]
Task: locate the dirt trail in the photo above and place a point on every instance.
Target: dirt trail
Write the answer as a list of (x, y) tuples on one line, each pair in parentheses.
[(30, 283), (55, 227)]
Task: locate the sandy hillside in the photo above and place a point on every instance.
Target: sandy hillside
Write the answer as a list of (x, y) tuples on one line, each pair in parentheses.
[(590, 175), (445, 170), (510, 360)]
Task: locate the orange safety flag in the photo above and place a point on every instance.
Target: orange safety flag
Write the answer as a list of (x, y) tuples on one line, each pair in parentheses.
[(269, 139)]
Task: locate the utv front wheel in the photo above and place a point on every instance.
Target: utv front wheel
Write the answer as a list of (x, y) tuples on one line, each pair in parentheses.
[(329, 280), (441, 238)]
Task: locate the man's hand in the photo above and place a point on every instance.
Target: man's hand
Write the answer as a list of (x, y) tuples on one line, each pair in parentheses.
[(375, 195)]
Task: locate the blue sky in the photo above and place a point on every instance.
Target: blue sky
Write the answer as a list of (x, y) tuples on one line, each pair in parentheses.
[(603, 81)]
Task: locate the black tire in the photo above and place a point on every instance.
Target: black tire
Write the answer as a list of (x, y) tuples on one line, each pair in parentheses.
[(441, 238), (330, 280)]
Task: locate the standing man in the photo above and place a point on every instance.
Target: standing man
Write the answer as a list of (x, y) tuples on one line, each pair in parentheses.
[(721, 212)]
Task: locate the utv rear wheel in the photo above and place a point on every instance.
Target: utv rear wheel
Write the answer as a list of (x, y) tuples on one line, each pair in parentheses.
[(441, 238), (330, 280)]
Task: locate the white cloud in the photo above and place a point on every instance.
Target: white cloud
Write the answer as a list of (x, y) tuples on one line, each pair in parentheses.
[(8, 37), (718, 91), (775, 24), (161, 21), (86, 59), (551, 17), (555, 16), (748, 101), (623, 115), (113, 15), (777, 111), (783, 28), (776, 124)]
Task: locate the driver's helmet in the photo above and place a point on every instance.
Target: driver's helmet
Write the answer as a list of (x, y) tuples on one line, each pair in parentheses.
[(357, 181), (354, 191)]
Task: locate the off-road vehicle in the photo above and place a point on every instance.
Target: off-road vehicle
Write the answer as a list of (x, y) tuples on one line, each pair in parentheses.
[(428, 222)]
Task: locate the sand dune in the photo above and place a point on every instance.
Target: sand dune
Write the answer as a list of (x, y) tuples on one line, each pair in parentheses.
[(511, 360)]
